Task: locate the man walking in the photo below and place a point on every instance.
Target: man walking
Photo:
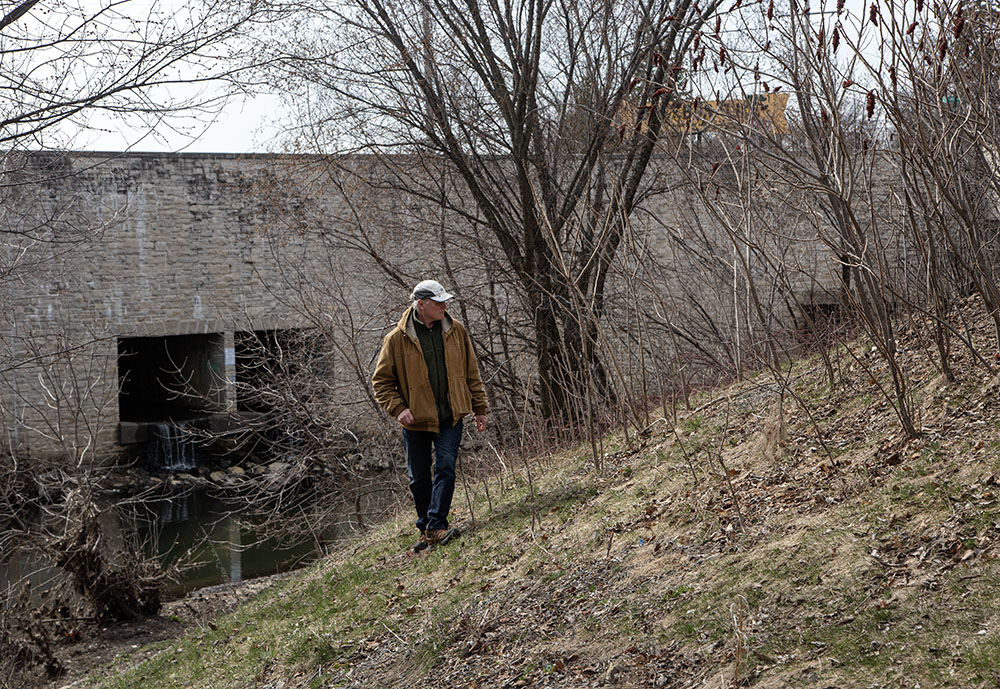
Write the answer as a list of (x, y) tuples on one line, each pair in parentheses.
[(427, 378)]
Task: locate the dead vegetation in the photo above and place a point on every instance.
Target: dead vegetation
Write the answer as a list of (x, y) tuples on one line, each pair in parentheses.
[(870, 563)]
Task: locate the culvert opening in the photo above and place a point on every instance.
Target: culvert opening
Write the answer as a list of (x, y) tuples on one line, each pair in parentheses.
[(170, 379), (263, 366), (271, 365)]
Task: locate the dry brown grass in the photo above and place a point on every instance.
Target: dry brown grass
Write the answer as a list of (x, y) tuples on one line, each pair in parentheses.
[(874, 567)]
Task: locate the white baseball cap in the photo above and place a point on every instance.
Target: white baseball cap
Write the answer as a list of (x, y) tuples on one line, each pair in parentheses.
[(430, 289)]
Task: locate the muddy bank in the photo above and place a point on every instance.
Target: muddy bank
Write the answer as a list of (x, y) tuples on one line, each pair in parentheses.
[(125, 644)]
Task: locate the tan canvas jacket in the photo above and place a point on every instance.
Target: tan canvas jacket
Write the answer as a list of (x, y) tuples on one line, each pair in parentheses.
[(400, 377)]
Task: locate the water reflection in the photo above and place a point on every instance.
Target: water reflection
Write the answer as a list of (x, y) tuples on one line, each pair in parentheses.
[(204, 537), (212, 543)]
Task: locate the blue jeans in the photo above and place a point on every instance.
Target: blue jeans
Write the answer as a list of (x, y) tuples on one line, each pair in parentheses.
[(432, 497)]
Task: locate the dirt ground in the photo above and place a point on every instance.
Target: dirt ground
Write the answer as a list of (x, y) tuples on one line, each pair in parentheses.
[(132, 642)]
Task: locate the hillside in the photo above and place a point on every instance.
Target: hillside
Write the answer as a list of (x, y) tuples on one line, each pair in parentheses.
[(871, 563)]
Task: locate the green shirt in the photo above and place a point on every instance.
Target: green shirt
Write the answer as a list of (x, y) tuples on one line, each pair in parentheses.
[(432, 345)]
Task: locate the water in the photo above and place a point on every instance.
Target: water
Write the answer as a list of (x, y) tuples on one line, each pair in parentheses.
[(172, 448), (202, 536), (205, 537), (212, 542)]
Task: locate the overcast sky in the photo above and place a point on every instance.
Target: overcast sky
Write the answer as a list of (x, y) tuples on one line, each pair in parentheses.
[(57, 44), (243, 126)]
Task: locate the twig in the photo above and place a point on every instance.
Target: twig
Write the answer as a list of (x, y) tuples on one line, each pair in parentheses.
[(725, 473), (687, 457), (468, 495), (546, 551), (388, 629), (887, 564)]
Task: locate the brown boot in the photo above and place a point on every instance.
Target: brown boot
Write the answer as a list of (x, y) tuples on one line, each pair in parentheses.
[(421, 543), (440, 536)]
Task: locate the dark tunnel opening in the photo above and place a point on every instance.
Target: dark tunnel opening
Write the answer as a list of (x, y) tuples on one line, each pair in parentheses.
[(173, 378)]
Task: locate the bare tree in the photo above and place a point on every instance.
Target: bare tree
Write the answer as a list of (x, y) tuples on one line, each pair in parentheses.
[(935, 90), (65, 67), (65, 62), (831, 171), (543, 117), (889, 163)]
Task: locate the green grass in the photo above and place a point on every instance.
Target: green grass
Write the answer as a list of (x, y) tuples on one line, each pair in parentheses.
[(850, 580), (693, 424)]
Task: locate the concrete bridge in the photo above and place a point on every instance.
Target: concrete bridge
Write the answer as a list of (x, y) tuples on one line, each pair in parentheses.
[(138, 289), (135, 293)]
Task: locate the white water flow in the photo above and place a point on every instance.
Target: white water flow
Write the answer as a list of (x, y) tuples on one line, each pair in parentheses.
[(172, 448)]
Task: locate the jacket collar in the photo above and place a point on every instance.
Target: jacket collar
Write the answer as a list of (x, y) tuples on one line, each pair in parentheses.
[(406, 323)]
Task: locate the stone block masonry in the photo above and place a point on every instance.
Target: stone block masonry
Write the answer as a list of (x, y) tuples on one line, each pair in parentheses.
[(101, 249), (122, 273)]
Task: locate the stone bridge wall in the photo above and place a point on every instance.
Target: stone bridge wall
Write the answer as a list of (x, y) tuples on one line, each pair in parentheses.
[(100, 248)]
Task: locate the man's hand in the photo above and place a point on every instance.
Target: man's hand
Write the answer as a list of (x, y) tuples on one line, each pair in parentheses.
[(405, 417), (480, 423)]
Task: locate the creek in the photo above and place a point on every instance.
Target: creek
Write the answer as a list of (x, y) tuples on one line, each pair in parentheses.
[(209, 539), (196, 533), (212, 542)]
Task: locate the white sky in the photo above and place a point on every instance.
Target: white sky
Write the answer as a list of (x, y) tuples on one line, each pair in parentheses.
[(244, 126)]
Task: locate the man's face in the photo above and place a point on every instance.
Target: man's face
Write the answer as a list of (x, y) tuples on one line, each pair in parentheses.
[(432, 311)]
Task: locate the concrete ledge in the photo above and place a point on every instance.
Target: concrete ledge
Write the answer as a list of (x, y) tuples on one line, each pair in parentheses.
[(134, 432)]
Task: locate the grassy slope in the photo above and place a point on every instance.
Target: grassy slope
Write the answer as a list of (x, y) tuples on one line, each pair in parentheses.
[(877, 570)]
